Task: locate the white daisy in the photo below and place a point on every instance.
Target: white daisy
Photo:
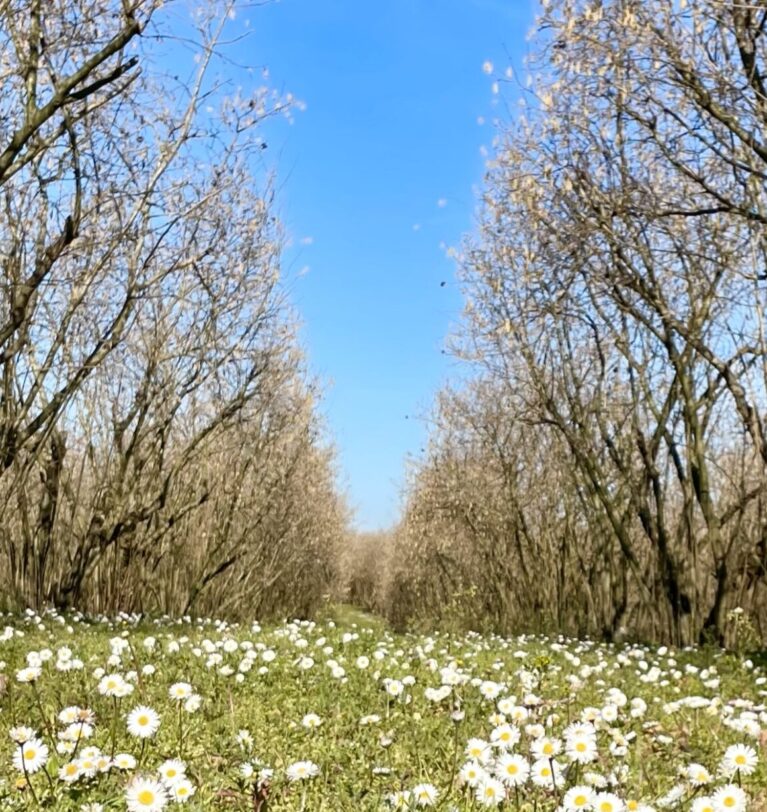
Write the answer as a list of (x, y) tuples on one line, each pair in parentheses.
[(730, 798), (578, 797), (171, 771), (512, 769), (739, 758), (489, 792), (425, 794), (143, 722), (145, 795), (30, 756), (182, 790), (301, 770)]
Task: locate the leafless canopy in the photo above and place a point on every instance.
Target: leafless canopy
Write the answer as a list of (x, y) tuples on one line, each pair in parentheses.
[(606, 471), (159, 447)]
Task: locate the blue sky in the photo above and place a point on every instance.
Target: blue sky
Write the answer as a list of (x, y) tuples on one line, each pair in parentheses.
[(375, 178)]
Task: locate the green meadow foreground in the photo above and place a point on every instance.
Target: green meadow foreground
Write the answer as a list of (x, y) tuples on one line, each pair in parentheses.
[(100, 714)]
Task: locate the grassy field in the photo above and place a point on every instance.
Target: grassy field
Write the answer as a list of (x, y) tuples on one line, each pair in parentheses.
[(343, 715)]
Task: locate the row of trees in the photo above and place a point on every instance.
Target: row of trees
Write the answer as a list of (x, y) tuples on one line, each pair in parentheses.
[(159, 442), (604, 472)]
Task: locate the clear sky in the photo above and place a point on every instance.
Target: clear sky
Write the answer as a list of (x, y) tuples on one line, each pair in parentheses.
[(376, 178)]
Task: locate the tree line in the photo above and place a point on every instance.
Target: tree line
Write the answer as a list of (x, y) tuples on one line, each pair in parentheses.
[(603, 471), (160, 445)]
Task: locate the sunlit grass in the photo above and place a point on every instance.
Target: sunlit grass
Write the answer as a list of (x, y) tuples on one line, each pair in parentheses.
[(342, 716)]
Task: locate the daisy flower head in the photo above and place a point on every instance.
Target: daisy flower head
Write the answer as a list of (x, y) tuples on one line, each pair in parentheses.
[(609, 713), (69, 772), (739, 758), (302, 770), (103, 763), (505, 736), (311, 721), (546, 747), (245, 739), (578, 797), (478, 750), (608, 802), (547, 773), (143, 722), (580, 729), (180, 691), (29, 674), (192, 704), (581, 748), (182, 790), (145, 795), (21, 734), (87, 765), (512, 769), (69, 715), (172, 771), (519, 714), (425, 794), (730, 798), (111, 685), (698, 775), (703, 804), (490, 689), (124, 761), (30, 756), (489, 792), (472, 773)]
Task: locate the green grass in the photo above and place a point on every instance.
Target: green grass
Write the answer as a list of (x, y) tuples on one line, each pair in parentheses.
[(416, 740)]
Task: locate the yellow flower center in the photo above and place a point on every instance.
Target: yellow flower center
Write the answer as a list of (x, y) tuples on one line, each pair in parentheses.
[(581, 747), (580, 800), (740, 759), (143, 720), (729, 801), (146, 797), (605, 806), (548, 748), (29, 754), (512, 769), (171, 772), (545, 772), (71, 769)]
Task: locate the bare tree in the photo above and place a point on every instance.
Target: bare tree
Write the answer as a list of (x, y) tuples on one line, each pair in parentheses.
[(143, 328), (617, 290)]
